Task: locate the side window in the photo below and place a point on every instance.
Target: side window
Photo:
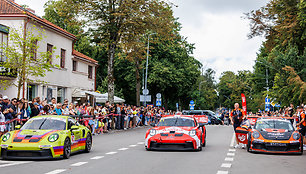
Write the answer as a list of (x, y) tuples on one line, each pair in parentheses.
[(71, 123)]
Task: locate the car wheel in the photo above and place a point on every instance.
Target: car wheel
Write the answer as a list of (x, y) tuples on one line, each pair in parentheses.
[(67, 148), (148, 149), (249, 143), (88, 143), (204, 144), (302, 150)]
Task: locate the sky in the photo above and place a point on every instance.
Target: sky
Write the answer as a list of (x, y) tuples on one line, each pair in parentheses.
[(216, 27)]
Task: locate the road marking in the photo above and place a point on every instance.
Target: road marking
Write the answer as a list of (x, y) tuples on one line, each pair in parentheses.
[(230, 154), (124, 148), (97, 157), (140, 143), (56, 171), (232, 150), (12, 163), (134, 145), (78, 164), (110, 153), (222, 172), (229, 159), (233, 140), (226, 165)]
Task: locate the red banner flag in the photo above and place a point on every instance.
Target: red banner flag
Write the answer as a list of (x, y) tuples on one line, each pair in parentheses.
[(244, 107)]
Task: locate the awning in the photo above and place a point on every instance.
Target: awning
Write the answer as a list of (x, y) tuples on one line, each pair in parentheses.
[(104, 98), (82, 93)]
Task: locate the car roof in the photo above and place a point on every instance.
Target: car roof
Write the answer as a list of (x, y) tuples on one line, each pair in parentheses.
[(51, 116)]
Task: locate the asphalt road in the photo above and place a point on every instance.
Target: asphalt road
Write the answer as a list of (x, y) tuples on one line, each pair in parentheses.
[(123, 153)]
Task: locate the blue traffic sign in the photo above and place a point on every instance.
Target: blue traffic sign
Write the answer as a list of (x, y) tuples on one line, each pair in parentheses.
[(191, 102), (191, 107), (158, 102)]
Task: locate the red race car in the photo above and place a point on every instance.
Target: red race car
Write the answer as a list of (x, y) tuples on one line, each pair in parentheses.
[(274, 135), (176, 132)]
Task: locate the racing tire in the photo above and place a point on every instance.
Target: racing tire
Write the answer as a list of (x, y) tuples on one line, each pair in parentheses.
[(302, 150), (249, 143), (88, 143), (204, 144), (67, 148)]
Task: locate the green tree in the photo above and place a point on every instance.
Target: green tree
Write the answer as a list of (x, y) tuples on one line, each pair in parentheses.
[(22, 57)]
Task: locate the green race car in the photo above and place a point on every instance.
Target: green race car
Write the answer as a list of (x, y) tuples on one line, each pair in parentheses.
[(44, 137)]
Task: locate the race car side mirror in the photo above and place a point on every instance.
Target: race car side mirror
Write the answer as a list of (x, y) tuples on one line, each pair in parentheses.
[(201, 124), (74, 127)]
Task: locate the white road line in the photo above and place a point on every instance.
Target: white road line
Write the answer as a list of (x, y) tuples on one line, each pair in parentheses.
[(140, 143), (226, 165), (56, 171), (78, 164), (232, 150), (12, 163), (134, 145), (233, 140), (97, 157), (229, 159), (222, 172), (230, 154), (124, 148), (110, 153)]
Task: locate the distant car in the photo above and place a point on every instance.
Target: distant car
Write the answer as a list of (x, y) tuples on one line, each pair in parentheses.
[(212, 118), (176, 132), (274, 135), (44, 137)]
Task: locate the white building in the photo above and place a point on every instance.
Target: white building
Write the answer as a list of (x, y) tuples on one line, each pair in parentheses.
[(77, 71)]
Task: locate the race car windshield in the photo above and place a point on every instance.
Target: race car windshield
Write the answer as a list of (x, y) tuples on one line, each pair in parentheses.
[(179, 122), (45, 124), (273, 124)]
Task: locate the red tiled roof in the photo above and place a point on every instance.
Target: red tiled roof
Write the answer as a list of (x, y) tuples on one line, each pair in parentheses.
[(10, 8), (78, 54)]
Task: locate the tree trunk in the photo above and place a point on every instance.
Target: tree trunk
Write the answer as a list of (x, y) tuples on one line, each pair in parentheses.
[(138, 81), (110, 72)]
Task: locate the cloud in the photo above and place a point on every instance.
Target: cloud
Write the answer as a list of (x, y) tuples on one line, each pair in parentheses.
[(219, 32), (36, 5)]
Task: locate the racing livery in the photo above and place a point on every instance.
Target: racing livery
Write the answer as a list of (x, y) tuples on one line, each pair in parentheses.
[(274, 135), (44, 137), (179, 132)]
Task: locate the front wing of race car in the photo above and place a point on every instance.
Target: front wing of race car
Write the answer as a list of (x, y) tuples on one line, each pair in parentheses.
[(24, 148), (271, 146)]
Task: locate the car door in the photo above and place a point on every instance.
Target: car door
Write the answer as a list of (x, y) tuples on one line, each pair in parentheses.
[(75, 134)]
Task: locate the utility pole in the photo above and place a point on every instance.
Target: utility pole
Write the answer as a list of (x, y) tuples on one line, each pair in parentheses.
[(146, 80)]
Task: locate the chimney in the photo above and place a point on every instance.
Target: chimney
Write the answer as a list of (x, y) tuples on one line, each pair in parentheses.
[(31, 10)]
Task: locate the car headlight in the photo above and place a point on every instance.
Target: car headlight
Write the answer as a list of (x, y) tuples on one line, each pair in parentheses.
[(152, 132), (192, 132), (296, 136), (53, 137), (255, 134), (6, 137)]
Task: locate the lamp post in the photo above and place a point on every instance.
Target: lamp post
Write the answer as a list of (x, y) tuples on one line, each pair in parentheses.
[(146, 80)]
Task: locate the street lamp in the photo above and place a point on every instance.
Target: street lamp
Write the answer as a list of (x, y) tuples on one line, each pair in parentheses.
[(146, 80)]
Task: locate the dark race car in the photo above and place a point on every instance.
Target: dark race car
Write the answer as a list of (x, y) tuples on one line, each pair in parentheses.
[(274, 135)]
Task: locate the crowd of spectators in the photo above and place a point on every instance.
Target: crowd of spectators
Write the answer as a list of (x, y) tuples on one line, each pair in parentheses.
[(99, 118)]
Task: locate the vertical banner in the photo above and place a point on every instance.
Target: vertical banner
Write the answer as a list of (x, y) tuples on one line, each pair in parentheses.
[(244, 107)]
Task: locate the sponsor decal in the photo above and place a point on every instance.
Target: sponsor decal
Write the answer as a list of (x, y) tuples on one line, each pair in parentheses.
[(241, 138)]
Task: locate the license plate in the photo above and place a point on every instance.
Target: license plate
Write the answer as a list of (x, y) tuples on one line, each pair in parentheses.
[(277, 144)]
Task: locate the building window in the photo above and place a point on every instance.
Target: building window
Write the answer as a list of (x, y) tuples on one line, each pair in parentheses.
[(74, 65), (89, 71), (34, 50), (63, 57), (49, 94), (61, 94), (49, 50), (3, 43), (32, 91)]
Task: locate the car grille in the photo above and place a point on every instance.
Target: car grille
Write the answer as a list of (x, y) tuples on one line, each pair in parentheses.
[(284, 147), (276, 136), (178, 146), (163, 134)]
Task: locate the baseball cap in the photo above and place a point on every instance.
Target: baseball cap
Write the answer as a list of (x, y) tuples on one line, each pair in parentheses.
[(5, 97)]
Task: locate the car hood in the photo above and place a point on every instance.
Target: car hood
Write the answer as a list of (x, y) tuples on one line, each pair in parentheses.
[(276, 134), (31, 136), (163, 129)]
